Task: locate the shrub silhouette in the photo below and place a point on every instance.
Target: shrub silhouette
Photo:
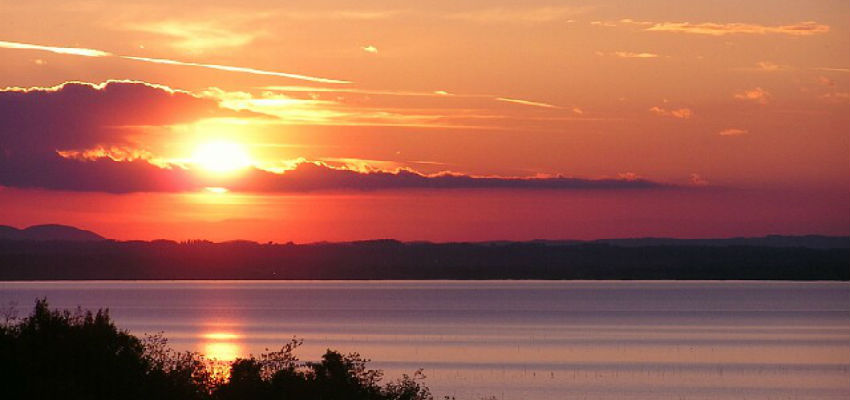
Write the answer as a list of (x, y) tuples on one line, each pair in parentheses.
[(280, 375), (54, 354), (82, 355)]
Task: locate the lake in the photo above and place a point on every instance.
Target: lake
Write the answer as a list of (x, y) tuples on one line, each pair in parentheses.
[(511, 339)]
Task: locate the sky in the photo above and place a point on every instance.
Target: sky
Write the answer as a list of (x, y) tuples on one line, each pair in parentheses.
[(442, 120)]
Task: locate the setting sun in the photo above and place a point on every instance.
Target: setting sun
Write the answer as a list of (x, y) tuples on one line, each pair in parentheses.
[(221, 156)]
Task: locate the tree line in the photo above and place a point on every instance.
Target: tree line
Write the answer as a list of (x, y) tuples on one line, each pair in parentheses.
[(390, 259)]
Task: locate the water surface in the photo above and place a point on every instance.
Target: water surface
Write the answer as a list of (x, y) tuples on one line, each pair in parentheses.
[(511, 339)]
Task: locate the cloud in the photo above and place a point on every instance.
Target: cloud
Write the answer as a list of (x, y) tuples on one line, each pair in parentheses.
[(526, 102), (607, 24), (76, 51), (339, 15), (837, 97), (518, 15), (434, 93), (85, 137), (733, 132), (682, 113), (77, 115), (99, 53), (196, 36), (824, 81), (628, 54), (767, 66), (370, 49), (235, 69), (107, 175), (51, 171), (381, 92), (830, 69), (807, 28), (336, 112), (757, 95)]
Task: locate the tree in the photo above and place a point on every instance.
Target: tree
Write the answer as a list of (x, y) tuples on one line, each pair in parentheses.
[(54, 354), (82, 355)]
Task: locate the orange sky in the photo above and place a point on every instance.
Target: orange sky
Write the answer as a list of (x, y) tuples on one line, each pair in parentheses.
[(732, 117)]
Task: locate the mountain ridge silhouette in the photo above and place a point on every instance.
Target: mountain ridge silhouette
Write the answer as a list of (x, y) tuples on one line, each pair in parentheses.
[(49, 232)]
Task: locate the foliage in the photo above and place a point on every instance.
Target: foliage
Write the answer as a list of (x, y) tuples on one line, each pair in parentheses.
[(83, 355), (280, 375)]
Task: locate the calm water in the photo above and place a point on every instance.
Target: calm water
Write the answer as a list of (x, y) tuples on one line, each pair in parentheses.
[(512, 339)]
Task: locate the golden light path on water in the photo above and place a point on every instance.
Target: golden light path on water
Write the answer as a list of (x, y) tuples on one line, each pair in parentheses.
[(221, 348)]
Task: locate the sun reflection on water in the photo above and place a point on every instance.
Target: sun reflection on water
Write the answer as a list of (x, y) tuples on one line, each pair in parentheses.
[(220, 349)]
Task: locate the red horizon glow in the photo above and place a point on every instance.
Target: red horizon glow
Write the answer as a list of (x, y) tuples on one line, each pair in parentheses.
[(505, 121)]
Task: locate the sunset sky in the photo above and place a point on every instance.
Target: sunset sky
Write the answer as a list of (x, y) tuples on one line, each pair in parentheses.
[(439, 120)]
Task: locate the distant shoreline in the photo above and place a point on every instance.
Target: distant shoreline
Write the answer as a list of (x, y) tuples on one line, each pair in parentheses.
[(773, 258)]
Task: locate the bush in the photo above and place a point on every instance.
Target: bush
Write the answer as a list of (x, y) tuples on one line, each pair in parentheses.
[(55, 354)]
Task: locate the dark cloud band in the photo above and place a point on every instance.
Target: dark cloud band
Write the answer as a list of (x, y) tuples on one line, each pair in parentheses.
[(36, 123)]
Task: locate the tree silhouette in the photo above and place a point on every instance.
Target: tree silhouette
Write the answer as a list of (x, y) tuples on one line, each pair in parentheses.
[(54, 354)]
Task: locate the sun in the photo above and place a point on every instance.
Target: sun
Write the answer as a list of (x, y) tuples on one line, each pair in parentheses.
[(221, 156)]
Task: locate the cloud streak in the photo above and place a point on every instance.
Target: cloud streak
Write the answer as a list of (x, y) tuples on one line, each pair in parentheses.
[(806, 28), (99, 53), (629, 54), (733, 132), (526, 102), (409, 93), (76, 51), (502, 15), (380, 92), (229, 68), (681, 113)]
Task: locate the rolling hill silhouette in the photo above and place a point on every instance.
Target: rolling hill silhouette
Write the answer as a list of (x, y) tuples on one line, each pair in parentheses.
[(50, 232), (63, 252), (56, 252)]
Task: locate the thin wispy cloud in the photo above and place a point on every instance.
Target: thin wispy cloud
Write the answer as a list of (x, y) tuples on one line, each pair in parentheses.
[(806, 28), (768, 66), (367, 165), (229, 68), (341, 15), (195, 36), (518, 15), (629, 54), (757, 95), (76, 51), (100, 53), (607, 24), (830, 69), (733, 132), (681, 113), (316, 89), (526, 102), (435, 93), (841, 97), (295, 111)]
